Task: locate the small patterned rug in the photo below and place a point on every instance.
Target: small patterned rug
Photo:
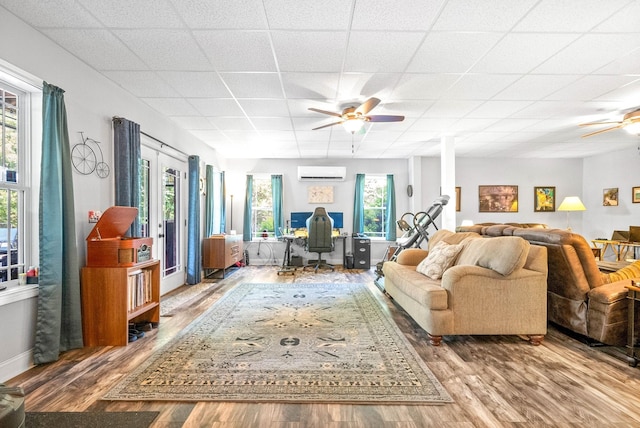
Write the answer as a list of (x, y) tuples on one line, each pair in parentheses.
[(288, 342)]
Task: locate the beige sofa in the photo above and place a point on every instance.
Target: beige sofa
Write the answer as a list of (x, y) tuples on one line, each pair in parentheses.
[(580, 297), (495, 286)]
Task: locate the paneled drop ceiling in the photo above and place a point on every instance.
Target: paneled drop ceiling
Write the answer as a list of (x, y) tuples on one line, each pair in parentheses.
[(503, 78)]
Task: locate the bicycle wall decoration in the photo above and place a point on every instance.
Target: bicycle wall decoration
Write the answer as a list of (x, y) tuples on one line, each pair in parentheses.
[(84, 159)]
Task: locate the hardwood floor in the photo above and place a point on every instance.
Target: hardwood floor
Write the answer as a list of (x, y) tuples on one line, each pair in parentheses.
[(495, 381)]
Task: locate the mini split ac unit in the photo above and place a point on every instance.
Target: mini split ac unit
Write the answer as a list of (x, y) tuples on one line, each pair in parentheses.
[(322, 173)]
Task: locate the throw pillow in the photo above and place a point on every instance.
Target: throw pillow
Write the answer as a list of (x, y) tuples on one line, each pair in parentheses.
[(441, 257)]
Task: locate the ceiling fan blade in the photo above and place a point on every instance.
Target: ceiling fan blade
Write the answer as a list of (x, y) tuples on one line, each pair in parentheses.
[(367, 106), (330, 113), (598, 123), (602, 130), (384, 118), (327, 125)]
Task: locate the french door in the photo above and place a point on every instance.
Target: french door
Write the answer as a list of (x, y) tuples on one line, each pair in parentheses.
[(166, 214)]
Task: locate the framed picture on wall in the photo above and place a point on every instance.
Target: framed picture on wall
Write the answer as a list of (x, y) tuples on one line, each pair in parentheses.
[(610, 197), (458, 190), (544, 199), (320, 194), (498, 199), (635, 194)]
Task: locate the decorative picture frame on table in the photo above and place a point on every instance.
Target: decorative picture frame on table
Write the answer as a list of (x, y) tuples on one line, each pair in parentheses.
[(635, 195), (458, 192), (544, 199), (610, 197), (498, 199)]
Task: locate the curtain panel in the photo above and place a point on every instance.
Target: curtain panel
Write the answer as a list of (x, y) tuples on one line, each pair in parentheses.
[(358, 205), (390, 210), (193, 221), (248, 209), (58, 318), (209, 203), (222, 202), (278, 215), (126, 167)]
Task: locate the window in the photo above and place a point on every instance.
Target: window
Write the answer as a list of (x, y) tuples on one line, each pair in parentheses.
[(12, 181), (375, 197), (143, 209), (262, 208)]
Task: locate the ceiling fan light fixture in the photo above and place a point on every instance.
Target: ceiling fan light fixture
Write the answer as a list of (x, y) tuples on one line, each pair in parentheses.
[(633, 128), (353, 125)]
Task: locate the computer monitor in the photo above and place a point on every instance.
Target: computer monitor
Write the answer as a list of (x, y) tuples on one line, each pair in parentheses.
[(337, 220), (299, 219)]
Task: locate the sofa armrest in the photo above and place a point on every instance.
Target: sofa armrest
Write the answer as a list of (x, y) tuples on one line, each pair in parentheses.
[(411, 256), (609, 293)]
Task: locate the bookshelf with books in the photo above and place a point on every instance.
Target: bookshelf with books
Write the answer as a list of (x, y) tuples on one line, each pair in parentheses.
[(113, 297)]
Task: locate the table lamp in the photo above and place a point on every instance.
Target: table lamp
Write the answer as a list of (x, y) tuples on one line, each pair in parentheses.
[(571, 203)]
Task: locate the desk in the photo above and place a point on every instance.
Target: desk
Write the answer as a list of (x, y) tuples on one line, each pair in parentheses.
[(301, 241)]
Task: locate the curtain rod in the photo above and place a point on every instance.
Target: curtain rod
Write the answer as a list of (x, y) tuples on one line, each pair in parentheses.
[(162, 143)]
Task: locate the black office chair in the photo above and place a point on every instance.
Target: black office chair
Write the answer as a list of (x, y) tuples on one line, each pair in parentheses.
[(319, 240)]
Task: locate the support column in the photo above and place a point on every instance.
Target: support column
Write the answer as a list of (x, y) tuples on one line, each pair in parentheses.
[(448, 180), (415, 180)]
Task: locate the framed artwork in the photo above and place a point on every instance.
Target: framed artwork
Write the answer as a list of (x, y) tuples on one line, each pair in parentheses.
[(320, 194), (458, 190), (635, 194), (610, 197), (544, 199), (498, 199)]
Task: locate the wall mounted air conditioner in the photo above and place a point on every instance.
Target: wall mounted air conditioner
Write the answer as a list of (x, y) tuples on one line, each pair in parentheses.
[(322, 173)]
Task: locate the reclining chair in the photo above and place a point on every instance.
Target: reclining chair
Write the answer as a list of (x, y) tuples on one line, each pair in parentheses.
[(319, 227)]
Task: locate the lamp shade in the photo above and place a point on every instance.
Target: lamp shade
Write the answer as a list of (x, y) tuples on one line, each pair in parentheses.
[(572, 203), (353, 125)]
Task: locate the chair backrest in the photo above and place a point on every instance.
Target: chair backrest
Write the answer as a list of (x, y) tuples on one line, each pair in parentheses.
[(320, 226)]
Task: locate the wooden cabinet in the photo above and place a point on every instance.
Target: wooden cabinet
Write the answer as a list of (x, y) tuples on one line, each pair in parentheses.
[(112, 297), (221, 251)]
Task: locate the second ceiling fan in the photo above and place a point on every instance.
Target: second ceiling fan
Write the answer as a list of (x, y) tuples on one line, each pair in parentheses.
[(353, 118), (630, 121)]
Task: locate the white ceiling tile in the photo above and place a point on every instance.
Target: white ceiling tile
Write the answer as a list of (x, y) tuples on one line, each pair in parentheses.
[(310, 85), (171, 106), (237, 50), (510, 125), (473, 15), (51, 14), (141, 83), (423, 86), (212, 137), (448, 52), (479, 86), (470, 124), (496, 109), (196, 84), (99, 48), (136, 14), (165, 49), (216, 106), (378, 51), (625, 64), (451, 108), (193, 123), (231, 123), (401, 15), (591, 87), (365, 85), (589, 53), (507, 57), (535, 87), (236, 14), (308, 15), (625, 20), (265, 108), (551, 15), (253, 85), (311, 51), (626, 96), (272, 123), (433, 124)]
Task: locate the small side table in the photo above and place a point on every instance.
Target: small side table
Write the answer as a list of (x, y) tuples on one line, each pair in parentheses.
[(633, 353)]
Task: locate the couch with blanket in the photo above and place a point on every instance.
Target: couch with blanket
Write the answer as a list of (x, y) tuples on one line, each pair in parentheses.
[(464, 284), (580, 297)]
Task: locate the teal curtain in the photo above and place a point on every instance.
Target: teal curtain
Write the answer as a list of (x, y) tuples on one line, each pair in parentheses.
[(209, 206), (278, 216), (390, 210), (223, 205), (193, 221), (58, 318), (358, 205), (246, 228), (126, 167)]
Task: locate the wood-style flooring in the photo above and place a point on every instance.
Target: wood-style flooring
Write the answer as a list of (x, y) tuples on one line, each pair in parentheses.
[(496, 381)]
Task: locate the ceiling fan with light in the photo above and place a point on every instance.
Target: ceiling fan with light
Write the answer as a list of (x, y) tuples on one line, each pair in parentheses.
[(630, 122), (353, 118)]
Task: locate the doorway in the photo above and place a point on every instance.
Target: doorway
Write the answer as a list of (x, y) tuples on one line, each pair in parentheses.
[(163, 213)]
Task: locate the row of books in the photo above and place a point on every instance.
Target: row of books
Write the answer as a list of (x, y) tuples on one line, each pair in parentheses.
[(140, 288)]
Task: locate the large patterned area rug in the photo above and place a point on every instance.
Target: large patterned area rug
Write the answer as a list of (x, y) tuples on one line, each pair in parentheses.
[(288, 342)]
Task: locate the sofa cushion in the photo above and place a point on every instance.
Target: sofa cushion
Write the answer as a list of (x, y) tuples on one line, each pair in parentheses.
[(502, 254), (441, 257)]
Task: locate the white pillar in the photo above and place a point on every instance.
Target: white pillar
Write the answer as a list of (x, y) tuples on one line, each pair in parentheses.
[(415, 180), (448, 180)]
